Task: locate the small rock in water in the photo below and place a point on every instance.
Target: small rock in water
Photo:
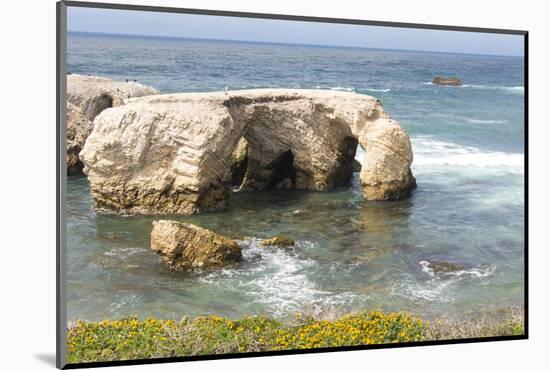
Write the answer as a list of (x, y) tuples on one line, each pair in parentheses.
[(442, 267), (279, 241), (186, 246), (452, 81)]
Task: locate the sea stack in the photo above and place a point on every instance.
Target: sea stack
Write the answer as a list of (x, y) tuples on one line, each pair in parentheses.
[(172, 154)]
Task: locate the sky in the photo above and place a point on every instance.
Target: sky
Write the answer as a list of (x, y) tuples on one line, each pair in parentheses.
[(283, 31)]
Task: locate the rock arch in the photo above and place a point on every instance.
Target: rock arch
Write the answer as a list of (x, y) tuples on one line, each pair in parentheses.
[(173, 153)]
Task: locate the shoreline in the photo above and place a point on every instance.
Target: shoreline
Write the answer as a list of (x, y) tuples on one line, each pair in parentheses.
[(130, 338)]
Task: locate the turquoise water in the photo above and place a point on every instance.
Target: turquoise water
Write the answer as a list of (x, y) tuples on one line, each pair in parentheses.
[(468, 208)]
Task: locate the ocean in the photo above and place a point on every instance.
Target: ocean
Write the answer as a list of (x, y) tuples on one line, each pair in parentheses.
[(468, 208)]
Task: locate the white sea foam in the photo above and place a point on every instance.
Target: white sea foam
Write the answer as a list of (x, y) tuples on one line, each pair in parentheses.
[(510, 89), (124, 303), (485, 121), (439, 287), (426, 267), (352, 89), (516, 89), (340, 88), (430, 292), (277, 279), (124, 252), (376, 90), (359, 154), (430, 152), (479, 272)]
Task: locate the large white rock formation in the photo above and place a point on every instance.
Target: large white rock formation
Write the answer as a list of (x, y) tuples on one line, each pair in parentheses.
[(173, 153), (87, 96)]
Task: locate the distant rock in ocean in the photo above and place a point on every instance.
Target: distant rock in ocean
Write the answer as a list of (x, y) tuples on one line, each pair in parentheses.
[(87, 96), (186, 246), (174, 154), (452, 81)]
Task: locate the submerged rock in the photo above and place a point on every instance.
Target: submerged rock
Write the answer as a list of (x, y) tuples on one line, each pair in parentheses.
[(279, 241), (78, 129), (174, 153), (186, 246), (442, 267), (451, 81)]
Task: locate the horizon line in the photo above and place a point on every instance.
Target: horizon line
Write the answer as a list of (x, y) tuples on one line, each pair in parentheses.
[(289, 43)]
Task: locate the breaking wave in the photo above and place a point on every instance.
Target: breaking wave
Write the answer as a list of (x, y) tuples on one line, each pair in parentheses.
[(485, 121), (431, 152), (509, 89), (353, 89), (512, 89)]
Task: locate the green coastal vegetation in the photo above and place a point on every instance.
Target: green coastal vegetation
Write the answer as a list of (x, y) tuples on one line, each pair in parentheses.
[(131, 338)]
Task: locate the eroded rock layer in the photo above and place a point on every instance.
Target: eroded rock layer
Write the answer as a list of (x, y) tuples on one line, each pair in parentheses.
[(174, 153)]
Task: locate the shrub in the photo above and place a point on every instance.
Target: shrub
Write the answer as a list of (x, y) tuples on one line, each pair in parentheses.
[(130, 338), (351, 330)]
